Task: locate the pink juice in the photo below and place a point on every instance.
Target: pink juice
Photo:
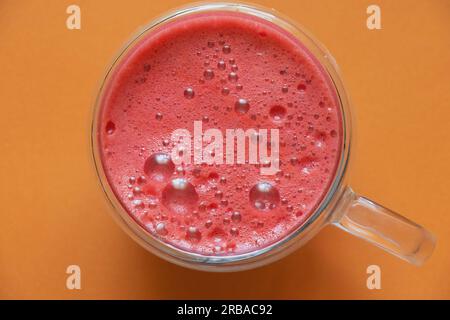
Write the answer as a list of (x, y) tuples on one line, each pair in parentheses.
[(229, 71)]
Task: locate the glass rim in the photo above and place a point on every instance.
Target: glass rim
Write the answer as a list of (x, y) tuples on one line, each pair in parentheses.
[(196, 260)]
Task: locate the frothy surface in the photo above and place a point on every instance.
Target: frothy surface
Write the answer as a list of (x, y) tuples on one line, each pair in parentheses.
[(228, 70)]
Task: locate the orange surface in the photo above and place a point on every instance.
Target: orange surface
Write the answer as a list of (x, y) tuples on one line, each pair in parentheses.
[(54, 213)]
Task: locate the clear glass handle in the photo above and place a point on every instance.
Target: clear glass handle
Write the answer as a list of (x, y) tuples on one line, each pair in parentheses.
[(384, 228)]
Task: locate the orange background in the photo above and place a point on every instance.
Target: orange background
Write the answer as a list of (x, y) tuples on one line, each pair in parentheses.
[(54, 213)]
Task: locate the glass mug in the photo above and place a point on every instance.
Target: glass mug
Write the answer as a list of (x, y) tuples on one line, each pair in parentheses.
[(341, 206)]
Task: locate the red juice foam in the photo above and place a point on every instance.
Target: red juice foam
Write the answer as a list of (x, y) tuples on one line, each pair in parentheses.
[(229, 71)]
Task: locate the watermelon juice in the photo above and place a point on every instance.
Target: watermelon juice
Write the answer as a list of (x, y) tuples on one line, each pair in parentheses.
[(220, 71)]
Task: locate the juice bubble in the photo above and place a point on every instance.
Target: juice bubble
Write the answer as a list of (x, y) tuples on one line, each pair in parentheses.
[(264, 196), (141, 179), (213, 176), (221, 65), (189, 93), (226, 49), (137, 190), (159, 167), (193, 234), (301, 87), (161, 229), (110, 127), (208, 74), (180, 196), (241, 106), (225, 91), (236, 216), (232, 76), (277, 113), (139, 204)]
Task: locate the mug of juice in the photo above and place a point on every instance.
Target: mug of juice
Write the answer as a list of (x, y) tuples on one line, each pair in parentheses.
[(222, 135)]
